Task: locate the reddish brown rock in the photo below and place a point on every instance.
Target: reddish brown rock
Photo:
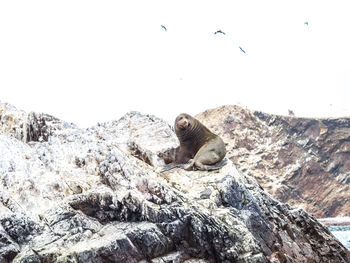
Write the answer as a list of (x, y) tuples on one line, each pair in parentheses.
[(302, 161), (94, 195)]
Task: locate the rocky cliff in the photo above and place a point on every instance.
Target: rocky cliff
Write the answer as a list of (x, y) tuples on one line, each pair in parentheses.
[(304, 162), (96, 195)]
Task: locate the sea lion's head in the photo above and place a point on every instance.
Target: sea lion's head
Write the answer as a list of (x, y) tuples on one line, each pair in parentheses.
[(183, 122)]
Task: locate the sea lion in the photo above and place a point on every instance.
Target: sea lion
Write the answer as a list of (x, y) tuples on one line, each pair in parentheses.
[(198, 143)]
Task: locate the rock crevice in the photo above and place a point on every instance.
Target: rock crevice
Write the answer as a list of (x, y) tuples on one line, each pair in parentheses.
[(84, 195)]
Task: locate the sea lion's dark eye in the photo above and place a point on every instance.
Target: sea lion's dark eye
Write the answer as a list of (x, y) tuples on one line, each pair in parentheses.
[(180, 118)]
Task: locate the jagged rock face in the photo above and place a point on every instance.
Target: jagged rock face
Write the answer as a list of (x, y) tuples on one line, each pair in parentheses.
[(304, 162), (95, 195)]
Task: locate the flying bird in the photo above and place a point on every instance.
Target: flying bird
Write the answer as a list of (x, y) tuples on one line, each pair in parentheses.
[(242, 50), (219, 31), (306, 23), (164, 28)]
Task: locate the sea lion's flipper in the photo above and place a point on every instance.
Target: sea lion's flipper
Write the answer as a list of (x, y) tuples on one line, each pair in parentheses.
[(213, 167), (170, 166), (189, 166)]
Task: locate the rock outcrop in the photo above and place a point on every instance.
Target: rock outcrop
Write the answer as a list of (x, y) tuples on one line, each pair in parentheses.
[(304, 162), (95, 195)]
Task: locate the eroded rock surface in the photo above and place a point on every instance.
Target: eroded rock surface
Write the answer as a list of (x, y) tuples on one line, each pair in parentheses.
[(304, 162), (95, 195)]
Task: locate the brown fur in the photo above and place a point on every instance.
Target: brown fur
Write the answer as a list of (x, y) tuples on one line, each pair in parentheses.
[(197, 142)]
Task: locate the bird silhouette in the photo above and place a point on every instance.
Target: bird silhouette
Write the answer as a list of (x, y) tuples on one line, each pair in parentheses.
[(306, 23), (164, 28), (242, 50), (219, 32)]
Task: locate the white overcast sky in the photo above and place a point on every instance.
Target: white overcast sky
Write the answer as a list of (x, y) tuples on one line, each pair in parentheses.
[(93, 61)]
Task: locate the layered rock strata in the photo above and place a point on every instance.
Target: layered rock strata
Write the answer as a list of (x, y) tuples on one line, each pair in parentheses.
[(95, 195), (301, 161)]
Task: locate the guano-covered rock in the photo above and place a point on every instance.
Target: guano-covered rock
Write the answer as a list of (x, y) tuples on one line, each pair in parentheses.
[(95, 195)]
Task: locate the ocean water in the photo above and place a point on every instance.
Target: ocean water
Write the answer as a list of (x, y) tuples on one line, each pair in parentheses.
[(342, 233)]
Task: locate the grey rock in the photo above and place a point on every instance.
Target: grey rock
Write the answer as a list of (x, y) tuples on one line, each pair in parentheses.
[(8, 247), (86, 195)]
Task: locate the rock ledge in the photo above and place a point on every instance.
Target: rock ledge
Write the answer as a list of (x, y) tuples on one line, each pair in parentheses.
[(95, 195)]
